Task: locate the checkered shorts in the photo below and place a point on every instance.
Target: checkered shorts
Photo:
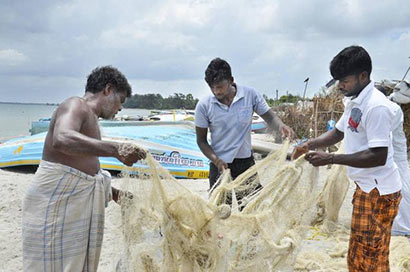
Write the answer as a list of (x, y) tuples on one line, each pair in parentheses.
[(372, 220)]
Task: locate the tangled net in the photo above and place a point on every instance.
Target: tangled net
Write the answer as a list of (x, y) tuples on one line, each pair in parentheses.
[(167, 227)]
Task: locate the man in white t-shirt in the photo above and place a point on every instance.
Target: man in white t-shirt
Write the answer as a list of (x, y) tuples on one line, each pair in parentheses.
[(366, 127), (227, 113)]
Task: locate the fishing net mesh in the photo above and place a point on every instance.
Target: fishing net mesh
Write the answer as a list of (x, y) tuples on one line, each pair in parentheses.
[(167, 227)]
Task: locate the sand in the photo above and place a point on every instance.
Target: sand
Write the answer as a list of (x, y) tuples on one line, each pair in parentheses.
[(315, 247)]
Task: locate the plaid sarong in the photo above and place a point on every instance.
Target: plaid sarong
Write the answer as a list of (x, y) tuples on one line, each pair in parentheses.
[(371, 225), (63, 219)]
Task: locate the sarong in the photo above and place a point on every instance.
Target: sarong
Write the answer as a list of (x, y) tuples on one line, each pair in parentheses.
[(372, 220), (401, 224), (63, 219)]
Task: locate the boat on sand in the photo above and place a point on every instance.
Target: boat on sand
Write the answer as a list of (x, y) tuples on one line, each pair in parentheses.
[(173, 145)]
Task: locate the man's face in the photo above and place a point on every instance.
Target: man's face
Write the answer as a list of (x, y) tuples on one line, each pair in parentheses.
[(113, 104), (221, 89), (350, 85)]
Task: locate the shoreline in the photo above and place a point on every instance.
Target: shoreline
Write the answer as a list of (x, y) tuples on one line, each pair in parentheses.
[(30, 103)]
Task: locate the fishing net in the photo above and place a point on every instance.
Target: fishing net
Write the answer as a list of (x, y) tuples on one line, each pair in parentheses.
[(333, 194), (167, 227)]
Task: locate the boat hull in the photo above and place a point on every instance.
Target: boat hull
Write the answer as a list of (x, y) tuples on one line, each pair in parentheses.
[(174, 147)]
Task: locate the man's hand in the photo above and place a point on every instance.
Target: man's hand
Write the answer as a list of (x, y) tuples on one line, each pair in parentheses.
[(299, 151), (129, 153), (319, 158), (221, 165), (118, 195), (287, 132)]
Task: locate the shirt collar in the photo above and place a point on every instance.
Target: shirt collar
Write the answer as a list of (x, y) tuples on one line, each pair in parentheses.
[(362, 95), (240, 93)]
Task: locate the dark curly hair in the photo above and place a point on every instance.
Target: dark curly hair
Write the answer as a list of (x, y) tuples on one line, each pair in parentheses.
[(101, 76), (217, 70), (350, 61)]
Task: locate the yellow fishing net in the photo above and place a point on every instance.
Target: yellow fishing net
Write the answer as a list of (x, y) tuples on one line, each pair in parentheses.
[(167, 227)]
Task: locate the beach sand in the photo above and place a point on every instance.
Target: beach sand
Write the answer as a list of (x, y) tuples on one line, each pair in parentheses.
[(14, 183)]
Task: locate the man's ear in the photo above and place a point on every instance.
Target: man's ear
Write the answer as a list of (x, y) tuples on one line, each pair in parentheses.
[(363, 77), (108, 89), (232, 80)]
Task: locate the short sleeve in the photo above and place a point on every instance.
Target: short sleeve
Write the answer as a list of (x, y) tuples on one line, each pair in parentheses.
[(201, 116), (340, 125), (260, 107), (378, 127)]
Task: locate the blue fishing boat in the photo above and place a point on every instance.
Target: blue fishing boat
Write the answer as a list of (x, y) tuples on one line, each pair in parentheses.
[(173, 145), (172, 117)]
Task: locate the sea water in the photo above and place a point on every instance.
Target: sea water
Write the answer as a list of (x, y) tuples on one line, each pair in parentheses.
[(15, 119)]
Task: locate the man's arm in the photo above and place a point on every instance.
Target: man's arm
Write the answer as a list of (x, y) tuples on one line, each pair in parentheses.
[(67, 137), (328, 138), (277, 125), (371, 157), (201, 140)]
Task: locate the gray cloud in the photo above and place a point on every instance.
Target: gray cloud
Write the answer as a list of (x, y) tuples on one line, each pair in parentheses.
[(47, 48)]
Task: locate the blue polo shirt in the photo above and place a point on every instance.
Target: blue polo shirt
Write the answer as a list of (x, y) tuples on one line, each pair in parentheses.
[(230, 127)]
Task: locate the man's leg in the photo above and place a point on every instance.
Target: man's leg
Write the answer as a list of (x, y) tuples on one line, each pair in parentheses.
[(213, 175), (372, 219), (239, 166)]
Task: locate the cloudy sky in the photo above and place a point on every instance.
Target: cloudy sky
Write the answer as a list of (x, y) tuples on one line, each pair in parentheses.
[(47, 48)]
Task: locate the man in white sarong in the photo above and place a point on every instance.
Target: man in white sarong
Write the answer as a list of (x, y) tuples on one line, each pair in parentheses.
[(63, 209), (401, 224)]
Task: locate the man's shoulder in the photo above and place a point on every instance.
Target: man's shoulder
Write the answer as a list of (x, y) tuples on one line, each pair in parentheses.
[(74, 101), (205, 100), (75, 105), (246, 89), (378, 99)]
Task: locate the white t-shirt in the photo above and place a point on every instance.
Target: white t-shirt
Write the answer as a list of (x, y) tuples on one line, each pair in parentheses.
[(230, 127), (367, 123)]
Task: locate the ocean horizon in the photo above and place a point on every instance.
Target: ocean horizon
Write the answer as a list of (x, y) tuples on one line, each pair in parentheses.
[(16, 117)]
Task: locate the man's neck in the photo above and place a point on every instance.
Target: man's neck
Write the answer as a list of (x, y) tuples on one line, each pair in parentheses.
[(90, 100), (230, 97), (365, 85)]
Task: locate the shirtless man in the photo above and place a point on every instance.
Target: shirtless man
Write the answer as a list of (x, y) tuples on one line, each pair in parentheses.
[(74, 137), (63, 213)]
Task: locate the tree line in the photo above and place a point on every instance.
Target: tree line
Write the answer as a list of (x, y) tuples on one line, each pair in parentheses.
[(156, 101), (283, 99), (188, 102)]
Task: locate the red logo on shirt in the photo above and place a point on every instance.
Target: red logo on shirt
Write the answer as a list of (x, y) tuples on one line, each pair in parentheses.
[(354, 119)]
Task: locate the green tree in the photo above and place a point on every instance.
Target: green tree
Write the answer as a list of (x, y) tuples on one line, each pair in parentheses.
[(156, 101)]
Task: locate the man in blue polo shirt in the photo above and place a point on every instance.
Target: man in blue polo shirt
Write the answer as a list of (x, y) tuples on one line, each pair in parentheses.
[(227, 113)]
